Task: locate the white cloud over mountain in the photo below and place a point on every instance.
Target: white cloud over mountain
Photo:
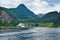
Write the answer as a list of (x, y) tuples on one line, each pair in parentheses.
[(37, 6)]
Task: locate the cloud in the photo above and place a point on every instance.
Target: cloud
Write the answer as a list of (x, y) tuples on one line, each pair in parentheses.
[(37, 6), (9, 3), (55, 8)]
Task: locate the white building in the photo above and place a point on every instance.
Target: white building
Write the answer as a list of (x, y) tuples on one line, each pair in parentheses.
[(21, 25)]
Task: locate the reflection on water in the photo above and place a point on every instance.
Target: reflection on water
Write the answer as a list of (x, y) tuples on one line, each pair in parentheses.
[(33, 34)]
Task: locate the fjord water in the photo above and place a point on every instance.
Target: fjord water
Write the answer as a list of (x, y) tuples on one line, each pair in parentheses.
[(36, 33)]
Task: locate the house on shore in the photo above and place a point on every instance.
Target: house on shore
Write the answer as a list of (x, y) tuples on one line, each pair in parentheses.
[(21, 25)]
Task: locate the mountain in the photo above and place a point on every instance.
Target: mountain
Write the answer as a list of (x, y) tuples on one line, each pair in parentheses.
[(24, 14), (5, 16), (51, 17), (13, 16), (40, 15)]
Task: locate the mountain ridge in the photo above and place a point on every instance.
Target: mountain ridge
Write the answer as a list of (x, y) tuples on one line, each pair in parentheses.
[(22, 12)]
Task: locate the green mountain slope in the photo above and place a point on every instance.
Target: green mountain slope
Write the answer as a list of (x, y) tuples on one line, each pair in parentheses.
[(24, 14), (52, 17)]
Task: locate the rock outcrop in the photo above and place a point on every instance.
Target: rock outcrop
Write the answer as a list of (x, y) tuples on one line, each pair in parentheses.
[(4, 16)]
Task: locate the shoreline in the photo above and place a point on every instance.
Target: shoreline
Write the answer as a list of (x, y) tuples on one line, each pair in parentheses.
[(8, 30)]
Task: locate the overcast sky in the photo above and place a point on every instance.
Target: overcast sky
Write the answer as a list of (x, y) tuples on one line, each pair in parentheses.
[(37, 6)]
